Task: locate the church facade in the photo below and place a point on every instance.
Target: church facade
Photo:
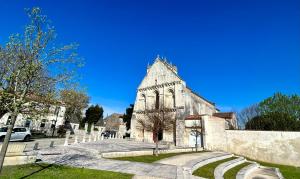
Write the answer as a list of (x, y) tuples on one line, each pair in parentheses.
[(162, 86)]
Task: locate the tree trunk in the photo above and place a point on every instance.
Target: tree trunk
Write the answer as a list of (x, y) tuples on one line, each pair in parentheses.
[(7, 138), (156, 144), (196, 141)]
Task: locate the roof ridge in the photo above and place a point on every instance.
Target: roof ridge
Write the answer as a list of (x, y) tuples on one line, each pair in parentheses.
[(212, 103)]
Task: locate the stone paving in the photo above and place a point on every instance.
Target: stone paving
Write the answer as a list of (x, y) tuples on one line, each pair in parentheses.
[(81, 157), (88, 155)]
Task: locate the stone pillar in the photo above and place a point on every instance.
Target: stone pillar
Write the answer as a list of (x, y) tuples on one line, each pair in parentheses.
[(95, 137), (83, 136), (76, 139), (67, 138), (52, 144), (110, 136), (102, 137), (90, 137), (92, 128), (36, 146), (99, 134), (86, 127)]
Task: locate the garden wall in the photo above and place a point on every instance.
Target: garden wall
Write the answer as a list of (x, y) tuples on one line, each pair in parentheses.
[(269, 146)]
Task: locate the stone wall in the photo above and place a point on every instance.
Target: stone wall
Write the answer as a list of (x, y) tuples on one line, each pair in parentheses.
[(269, 146)]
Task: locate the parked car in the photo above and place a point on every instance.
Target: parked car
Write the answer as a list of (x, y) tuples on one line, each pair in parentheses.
[(18, 134)]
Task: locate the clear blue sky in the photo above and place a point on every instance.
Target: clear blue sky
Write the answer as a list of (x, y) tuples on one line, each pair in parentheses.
[(235, 53)]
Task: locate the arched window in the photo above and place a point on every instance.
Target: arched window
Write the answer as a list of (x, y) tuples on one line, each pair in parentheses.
[(144, 101), (156, 100), (172, 94)]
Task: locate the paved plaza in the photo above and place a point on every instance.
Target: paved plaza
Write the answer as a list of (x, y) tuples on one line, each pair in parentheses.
[(88, 155)]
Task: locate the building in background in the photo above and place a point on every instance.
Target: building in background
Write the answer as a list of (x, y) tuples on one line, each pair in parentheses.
[(44, 123), (163, 87), (114, 124)]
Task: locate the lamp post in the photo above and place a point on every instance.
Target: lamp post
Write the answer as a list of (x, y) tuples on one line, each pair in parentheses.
[(56, 112)]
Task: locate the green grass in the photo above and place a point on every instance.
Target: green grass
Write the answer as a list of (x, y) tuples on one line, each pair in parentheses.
[(231, 174), (207, 171), (289, 172), (47, 171), (151, 158)]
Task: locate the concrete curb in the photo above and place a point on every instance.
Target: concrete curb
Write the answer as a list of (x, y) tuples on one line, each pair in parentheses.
[(222, 168), (143, 152), (246, 170), (188, 169), (278, 173)]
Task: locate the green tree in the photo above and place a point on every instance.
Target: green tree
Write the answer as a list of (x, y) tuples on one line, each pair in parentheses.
[(32, 66), (274, 121), (280, 103), (93, 114), (127, 117), (279, 112)]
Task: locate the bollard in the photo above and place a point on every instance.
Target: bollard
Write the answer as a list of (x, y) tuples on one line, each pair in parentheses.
[(36, 146), (67, 138), (90, 137), (76, 139), (95, 138), (102, 137), (52, 144), (99, 135), (83, 139)]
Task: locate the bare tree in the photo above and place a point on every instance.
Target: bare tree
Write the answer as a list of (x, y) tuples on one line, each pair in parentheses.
[(33, 68), (247, 114), (196, 131), (157, 121)]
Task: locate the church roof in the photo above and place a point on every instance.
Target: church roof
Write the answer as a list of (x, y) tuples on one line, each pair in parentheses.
[(212, 103)]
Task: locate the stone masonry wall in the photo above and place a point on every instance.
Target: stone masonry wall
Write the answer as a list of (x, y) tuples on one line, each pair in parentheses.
[(269, 146)]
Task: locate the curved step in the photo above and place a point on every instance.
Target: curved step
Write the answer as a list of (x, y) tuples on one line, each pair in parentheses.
[(242, 174), (195, 165), (187, 170), (222, 168), (265, 172)]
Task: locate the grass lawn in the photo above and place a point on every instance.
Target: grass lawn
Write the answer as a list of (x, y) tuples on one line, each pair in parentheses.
[(151, 158), (207, 171), (57, 172), (289, 172), (231, 174)]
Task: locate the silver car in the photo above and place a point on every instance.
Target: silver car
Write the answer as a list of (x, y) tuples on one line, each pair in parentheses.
[(18, 134)]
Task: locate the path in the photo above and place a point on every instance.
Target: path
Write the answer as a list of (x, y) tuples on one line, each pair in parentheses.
[(88, 155)]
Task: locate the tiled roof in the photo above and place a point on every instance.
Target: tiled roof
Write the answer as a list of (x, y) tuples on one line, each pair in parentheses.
[(194, 117), (226, 115)]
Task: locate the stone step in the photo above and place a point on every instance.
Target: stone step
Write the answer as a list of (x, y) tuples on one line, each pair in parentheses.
[(265, 172), (145, 177), (193, 165), (244, 172), (222, 168)]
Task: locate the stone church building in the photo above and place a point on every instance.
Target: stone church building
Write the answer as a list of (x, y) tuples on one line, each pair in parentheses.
[(162, 86)]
